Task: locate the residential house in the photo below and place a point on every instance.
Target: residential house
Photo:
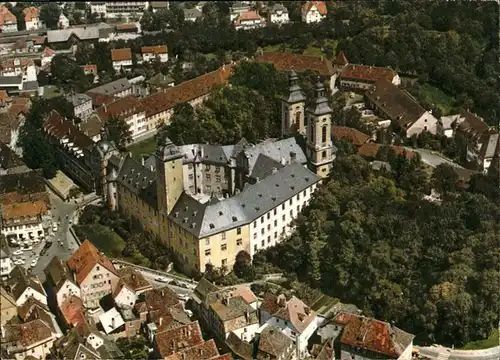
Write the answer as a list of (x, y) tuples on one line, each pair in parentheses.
[(368, 338), (18, 74), (34, 338), (489, 147), (91, 126), (93, 272), (24, 220), (89, 69), (170, 341), (124, 296), (63, 22), (192, 14), (249, 20), (351, 135), (73, 36), (159, 106), (134, 280), (71, 312), (278, 14), (22, 286), (390, 102), (32, 18), (47, 56), (121, 58), (8, 306), (105, 93), (8, 21), (358, 77), (158, 5), (237, 8), (33, 309), (60, 281), (112, 323), (269, 344), (82, 104), (151, 53), (131, 110), (313, 11), (370, 151), (119, 9), (159, 82), (446, 125), (5, 260), (129, 28), (295, 319)]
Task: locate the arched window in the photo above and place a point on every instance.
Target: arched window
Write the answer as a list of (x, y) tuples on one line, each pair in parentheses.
[(297, 118), (323, 134)]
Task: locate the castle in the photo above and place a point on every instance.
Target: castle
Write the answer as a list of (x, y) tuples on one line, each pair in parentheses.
[(209, 202)]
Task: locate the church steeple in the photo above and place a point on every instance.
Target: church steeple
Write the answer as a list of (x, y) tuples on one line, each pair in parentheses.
[(292, 108), (319, 129)]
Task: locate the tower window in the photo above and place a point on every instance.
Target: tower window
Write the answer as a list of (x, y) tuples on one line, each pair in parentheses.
[(323, 134), (323, 155), (297, 118)]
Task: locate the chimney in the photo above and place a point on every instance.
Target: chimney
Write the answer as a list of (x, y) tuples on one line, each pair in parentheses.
[(283, 161), (247, 315), (113, 322), (225, 301), (257, 179), (162, 293), (142, 160), (275, 170), (161, 320), (105, 108)]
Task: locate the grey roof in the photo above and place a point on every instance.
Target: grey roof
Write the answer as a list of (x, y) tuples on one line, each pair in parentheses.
[(30, 85), (112, 88), (239, 5), (255, 200), (138, 180), (214, 154), (204, 288), (320, 106), (447, 121), (78, 99), (278, 7), (168, 151), (4, 248), (160, 80), (20, 281), (150, 162), (380, 165), (192, 13), (277, 150), (10, 80), (295, 94), (489, 146), (82, 33), (264, 166), (273, 341)]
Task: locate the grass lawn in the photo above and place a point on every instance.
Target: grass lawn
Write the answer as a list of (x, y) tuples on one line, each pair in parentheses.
[(491, 341), (436, 96), (109, 242), (310, 50), (145, 147)]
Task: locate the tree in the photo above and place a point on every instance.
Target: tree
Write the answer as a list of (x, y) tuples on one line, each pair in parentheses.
[(67, 74), (49, 15), (444, 179), (133, 348), (243, 266), (118, 131)]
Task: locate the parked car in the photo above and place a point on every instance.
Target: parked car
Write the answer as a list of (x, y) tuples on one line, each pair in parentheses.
[(161, 279), (33, 263), (183, 297), (18, 252)]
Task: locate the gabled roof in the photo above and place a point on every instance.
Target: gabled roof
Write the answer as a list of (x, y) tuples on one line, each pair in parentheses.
[(91, 126), (57, 273), (472, 124), (367, 73), (158, 49), (373, 335), (341, 59), (186, 91), (248, 16), (6, 16), (111, 88), (134, 279), (56, 126), (122, 108), (233, 308), (111, 320), (29, 333), (139, 180), (205, 350), (320, 5), (7, 299), (171, 341), (297, 313), (25, 309), (25, 210), (19, 281), (160, 298), (85, 258), (370, 150), (82, 33), (25, 183), (395, 103), (31, 13), (273, 342), (352, 135), (204, 288), (72, 310), (9, 159), (490, 145), (121, 54), (284, 61)]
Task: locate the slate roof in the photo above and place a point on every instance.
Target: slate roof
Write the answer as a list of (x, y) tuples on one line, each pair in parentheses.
[(82, 33), (30, 85), (367, 73), (171, 341), (295, 93), (490, 146), (254, 201), (284, 61), (57, 273), (204, 288), (351, 135), (373, 335), (472, 124), (160, 80), (77, 99), (277, 8), (264, 166), (19, 281), (395, 103), (85, 258), (111, 88), (242, 349), (139, 180), (233, 309), (11, 80), (133, 278), (274, 342)]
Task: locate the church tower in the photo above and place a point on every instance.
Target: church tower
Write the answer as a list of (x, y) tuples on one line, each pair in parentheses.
[(170, 176), (292, 108), (319, 133)]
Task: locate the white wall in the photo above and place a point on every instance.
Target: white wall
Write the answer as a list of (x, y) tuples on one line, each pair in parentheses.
[(28, 292), (147, 57), (125, 298), (279, 18), (117, 65), (67, 289), (5, 266), (246, 333), (23, 231), (427, 122), (313, 16), (98, 283)]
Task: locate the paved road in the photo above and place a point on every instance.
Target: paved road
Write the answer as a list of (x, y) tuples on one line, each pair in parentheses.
[(433, 159), (441, 352), (177, 289)]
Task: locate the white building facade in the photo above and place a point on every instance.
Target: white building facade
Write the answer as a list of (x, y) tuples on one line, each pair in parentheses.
[(313, 12), (116, 9), (278, 15)]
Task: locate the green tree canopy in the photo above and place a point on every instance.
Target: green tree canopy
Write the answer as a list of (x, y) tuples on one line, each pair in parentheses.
[(49, 14), (118, 131)]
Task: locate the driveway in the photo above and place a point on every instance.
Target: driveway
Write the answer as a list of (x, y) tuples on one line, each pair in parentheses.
[(156, 284), (433, 158)]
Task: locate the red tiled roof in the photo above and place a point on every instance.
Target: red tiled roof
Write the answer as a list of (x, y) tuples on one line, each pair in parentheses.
[(4, 96), (100, 99), (72, 310), (171, 341), (122, 108), (341, 59), (160, 298), (284, 61), (59, 128), (370, 150), (90, 68), (6, 16), (130, 26), (158, 49), (33, 332), (349, 134), (48, 52), (472, 124), (26, 209), (245, 293), (186, 91), (121, 54), (320, 5), (367, 73), (248, 16), (31, 13), (10, 63), (202, 351), (222, 357), (84, 260)]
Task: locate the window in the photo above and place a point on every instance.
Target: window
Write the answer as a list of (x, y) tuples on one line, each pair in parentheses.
[(238, 231), (255, 224), (223, 236), (190, 166), (268, 227), (291, 201), (208, 177), (97, 267), (323, 155), (207, 252), (283, 229), (191, 176), (283, 206), (255, 235), (224, 262), (298, 196), (297, 118), (275, 222), (262, 220), (255, 248), (217, 178), (262, 231), (217, 169), (291, 213), (207, 242), (239, 242), (223, 247), (323, 134), (207, 167), (283, 217), (268, 239), (275, 211), (268, 216), (275, 234), (262, 243), (298, 209)]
